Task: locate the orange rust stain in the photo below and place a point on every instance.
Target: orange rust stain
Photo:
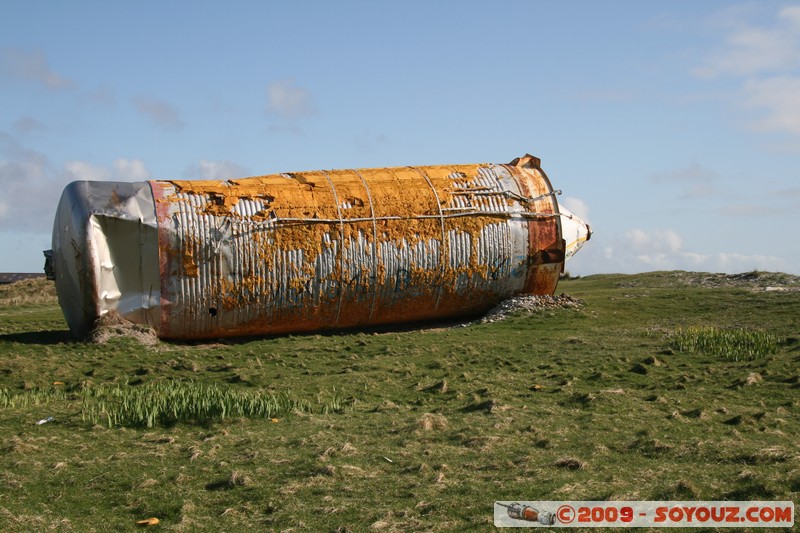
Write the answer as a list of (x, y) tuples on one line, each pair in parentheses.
[(546, 248), (189, 265), (328, 212)]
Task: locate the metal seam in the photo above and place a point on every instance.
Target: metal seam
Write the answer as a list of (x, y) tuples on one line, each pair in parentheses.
[(374, 245), (341, 244), (499, 214), (444, 233)]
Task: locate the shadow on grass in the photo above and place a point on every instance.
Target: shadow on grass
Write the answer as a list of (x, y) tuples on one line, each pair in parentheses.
[(404, 327), (752, 490), (64, 336), (39, 337)]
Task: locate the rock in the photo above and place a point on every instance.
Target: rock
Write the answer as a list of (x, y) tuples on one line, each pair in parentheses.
[(529, 304)]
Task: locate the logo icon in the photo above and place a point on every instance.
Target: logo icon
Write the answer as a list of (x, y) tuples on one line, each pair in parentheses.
[(517, 511)]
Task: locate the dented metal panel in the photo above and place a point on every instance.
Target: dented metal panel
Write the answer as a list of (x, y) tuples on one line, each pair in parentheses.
[(105, 253), (331, 249)]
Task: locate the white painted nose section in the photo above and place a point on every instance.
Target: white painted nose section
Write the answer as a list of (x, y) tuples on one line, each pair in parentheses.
[(573, 230)]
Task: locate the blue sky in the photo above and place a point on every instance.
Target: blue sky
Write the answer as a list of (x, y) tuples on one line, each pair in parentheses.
[(673, 127)]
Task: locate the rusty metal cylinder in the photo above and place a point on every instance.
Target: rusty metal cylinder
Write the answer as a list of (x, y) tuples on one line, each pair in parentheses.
[(308, 250)]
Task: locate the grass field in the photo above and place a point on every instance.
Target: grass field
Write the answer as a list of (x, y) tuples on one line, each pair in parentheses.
[(412, 429)]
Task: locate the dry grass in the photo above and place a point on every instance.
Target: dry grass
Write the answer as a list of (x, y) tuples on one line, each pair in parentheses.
[(432, 422), (35, 291)]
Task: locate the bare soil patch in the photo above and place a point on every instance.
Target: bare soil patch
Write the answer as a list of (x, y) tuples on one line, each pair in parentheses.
[(113, 325)]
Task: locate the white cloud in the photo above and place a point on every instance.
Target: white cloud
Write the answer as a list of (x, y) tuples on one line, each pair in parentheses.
[(779, 97), (160, 112), (791, 15), (654, 242), (130, 170), (215, 170), (734, 262), (32, 66), (15, 154), (32, 186), (766, 58), (577, 206), (289, 101), (639, 250), (750, 49), (83, 171), (121, 170)]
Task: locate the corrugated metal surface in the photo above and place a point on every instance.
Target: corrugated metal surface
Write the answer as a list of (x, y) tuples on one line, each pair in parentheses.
[(314, 250), (309, 250)]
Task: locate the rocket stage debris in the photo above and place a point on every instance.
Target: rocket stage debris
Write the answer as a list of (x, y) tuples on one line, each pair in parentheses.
[(306, 251)]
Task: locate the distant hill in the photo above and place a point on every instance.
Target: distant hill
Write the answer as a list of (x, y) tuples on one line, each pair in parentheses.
[(33, 289), (756, 279), (11, 277)]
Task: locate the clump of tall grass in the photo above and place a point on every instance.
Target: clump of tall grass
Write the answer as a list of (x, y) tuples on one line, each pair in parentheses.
[(169, 402), (14, 399), (736, 344)]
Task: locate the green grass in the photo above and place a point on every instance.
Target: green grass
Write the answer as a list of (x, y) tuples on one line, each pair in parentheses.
[(411, 429), (733, 344), (167, 403)]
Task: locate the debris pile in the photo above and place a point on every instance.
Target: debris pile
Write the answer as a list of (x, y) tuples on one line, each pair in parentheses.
[(529, 304), (113, 325)]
